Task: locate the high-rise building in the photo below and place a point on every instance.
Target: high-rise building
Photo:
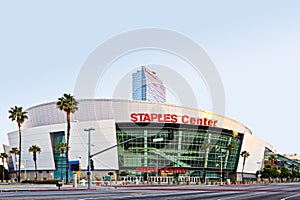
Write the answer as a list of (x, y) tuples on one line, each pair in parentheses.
[(147, 86)]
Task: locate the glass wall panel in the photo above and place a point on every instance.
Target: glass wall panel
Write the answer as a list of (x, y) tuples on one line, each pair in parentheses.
[(198, 153)]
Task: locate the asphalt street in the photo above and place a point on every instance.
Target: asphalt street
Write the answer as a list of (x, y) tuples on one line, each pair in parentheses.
[(263, 192)]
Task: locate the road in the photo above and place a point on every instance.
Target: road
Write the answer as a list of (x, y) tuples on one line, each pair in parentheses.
[(285, 191)]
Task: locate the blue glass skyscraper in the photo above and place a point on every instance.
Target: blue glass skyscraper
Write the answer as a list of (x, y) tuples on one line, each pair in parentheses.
[(147, 86)]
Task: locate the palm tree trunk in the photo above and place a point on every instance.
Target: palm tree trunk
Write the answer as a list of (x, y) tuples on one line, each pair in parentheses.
[(35, 167), (35, 170), (16, 165), (67, 148), (20, 149), (243, 170)]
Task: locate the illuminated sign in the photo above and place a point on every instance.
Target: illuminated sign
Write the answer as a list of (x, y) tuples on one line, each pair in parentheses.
[(164, 170), (171, 118)]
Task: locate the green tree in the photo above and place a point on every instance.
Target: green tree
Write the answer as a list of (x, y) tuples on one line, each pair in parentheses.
[(270, 173), (272, 158), (245, 155), (284, 172), (17, 114), (16, 152), (231, 147), (61, 147), (3, 156), (68, 104), (34, 149)]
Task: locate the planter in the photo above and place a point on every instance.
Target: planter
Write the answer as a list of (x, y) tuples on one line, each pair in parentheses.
[(198, 183), (180, 183), (170, 183)]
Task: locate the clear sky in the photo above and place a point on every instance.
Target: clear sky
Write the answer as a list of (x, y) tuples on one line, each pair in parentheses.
[(254, 45)]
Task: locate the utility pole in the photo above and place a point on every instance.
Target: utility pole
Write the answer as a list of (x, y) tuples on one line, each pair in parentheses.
[(221, 169), (89, 156)]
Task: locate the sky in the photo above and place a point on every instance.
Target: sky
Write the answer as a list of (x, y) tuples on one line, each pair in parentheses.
[(254, 46)]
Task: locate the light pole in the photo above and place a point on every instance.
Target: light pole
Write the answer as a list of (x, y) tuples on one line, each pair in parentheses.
[(89, 155), (221, 156), (259, 169)]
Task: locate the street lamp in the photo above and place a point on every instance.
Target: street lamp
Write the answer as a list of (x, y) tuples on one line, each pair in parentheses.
[(221, 176), (89, 155), (221, 156), (259, 169)]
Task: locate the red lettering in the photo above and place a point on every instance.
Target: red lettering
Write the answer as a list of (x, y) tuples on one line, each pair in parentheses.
[(205, 120), (133, 117), (141, 117), (210, 122), (185, 119), (171, 118), (174, 118), (193, 120), (167, 118), (215, 122), (160, 118), (199, 121), (153, 117), (146, 118)]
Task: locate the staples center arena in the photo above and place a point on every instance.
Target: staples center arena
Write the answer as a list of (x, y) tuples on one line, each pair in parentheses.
[(167, 142)]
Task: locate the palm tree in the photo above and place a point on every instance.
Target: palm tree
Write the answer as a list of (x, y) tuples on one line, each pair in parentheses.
[(245, 155), (35, 149), (231, 148), (62, 148), (3, 156), (68, 104), (16, 152), (205, 146), (17, 114)]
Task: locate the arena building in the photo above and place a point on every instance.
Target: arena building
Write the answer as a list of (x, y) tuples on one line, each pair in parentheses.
[(167, 142)]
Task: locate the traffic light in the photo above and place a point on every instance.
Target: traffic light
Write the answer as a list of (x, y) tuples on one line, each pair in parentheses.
[(126, 145), (92, 165), (170, 135)]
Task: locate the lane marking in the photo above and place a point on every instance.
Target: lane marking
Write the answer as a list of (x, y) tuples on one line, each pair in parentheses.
[(234, 197), (290, 197)]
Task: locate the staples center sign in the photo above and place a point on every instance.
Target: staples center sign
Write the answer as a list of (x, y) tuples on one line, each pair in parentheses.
[(171, 118)]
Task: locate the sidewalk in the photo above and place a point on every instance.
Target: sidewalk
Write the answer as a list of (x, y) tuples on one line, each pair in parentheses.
[(19, 187)]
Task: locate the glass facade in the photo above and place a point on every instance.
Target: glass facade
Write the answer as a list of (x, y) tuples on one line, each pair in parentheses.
[(177, 151), (60, 160), (147, 86)]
